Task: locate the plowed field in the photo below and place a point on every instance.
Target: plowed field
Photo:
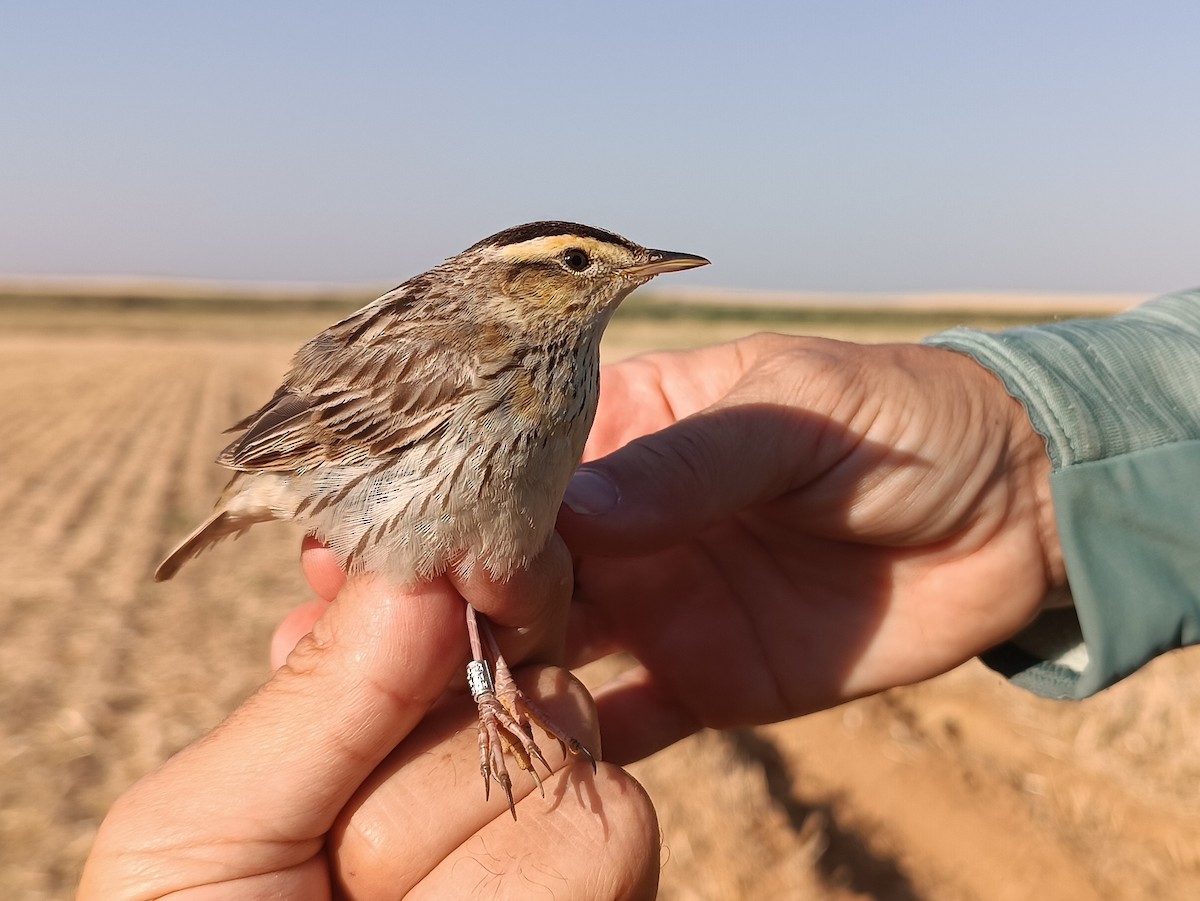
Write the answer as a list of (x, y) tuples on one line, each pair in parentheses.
[(960, 788)]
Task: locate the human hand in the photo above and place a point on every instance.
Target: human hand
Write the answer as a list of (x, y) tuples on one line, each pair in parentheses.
[(352, 773), (798, 522)]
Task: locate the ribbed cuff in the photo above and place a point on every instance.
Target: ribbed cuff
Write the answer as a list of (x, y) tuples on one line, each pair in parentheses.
[(1099, 388), (1118, 403)]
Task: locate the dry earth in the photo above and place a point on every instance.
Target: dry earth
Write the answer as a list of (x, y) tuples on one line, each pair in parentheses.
[(960, 788)]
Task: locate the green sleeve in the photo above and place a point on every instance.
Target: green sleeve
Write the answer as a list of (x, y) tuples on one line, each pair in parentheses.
[(1117, 401)]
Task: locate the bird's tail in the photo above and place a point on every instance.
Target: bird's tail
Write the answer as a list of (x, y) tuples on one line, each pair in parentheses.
[(220, 525)]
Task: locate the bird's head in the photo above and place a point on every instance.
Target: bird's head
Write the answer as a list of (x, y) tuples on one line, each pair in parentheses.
[(563, 270)]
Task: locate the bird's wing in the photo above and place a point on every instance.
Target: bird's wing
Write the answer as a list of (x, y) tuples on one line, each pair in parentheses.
[(344, 404)]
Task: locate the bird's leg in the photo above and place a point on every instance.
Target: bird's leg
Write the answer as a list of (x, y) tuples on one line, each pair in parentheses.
[(507, 716), (498, 729), (522, 708)]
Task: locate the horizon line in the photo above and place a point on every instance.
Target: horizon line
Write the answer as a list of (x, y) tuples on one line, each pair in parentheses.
[(939, 299)]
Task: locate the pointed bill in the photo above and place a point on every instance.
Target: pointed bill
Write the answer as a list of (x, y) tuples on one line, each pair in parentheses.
[(665, 261)]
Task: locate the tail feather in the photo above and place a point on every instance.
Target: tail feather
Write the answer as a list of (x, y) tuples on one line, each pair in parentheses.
[(220, 525)]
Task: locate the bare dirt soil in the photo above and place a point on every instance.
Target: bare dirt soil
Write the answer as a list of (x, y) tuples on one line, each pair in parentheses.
[(959, 788)]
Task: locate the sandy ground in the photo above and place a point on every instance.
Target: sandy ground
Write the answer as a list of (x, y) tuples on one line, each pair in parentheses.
[(960, 788)]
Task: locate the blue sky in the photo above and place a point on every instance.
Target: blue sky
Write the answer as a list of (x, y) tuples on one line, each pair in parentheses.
[(801, 146)]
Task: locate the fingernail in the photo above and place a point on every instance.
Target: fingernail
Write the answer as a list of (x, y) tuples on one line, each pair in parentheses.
[(591, 493)]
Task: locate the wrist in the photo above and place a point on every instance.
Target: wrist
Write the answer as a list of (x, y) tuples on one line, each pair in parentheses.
[(1027, 468), (1023, 467), (1031, 471)]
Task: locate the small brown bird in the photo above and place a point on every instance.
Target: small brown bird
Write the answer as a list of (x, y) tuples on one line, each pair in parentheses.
[(436, 429)]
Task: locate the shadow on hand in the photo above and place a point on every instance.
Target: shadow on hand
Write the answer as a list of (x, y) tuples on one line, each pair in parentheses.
[(767, 611)]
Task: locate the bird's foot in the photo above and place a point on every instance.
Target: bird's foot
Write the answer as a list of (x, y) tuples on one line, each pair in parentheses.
[(529, 714), (506, 719)]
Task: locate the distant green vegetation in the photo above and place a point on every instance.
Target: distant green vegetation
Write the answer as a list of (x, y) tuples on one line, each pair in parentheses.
[(252, 318), (255, 317), (666, 309)]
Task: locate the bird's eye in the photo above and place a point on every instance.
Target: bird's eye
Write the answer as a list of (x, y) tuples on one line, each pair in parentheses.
[(575, 259)]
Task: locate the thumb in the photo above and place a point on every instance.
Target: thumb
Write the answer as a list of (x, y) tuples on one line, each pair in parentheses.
[(667, 486), (256, 796), (349, 693)]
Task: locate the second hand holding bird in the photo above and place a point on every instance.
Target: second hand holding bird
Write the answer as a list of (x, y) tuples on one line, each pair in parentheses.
[(434, 431)]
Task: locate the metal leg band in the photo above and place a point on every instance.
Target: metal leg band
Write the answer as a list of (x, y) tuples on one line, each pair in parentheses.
[(479, 678)]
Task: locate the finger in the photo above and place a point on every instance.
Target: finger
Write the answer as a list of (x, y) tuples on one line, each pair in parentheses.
[(589, 634), (530, 607), (426, 800), (665, 487), (639, 718), (295, 626), (646, 393), (600, 840), (298, 749), (321, 568)]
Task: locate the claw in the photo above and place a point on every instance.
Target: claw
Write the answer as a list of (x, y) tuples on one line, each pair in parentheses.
[(506, 784), (537, 752), (580, 751), (538, 781)]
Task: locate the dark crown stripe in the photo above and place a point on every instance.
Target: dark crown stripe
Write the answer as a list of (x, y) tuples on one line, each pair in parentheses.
[(531, 230)]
